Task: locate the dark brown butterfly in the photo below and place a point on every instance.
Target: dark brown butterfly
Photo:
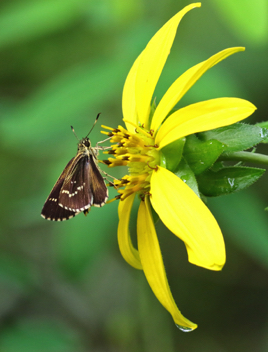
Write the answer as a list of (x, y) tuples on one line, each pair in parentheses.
[(79, 187)]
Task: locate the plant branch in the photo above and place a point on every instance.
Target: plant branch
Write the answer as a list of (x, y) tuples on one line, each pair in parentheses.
[(245, 156)]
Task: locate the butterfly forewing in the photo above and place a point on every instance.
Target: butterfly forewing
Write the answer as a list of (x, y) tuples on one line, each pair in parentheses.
[(51, 209), (76, 193), (80, 186)]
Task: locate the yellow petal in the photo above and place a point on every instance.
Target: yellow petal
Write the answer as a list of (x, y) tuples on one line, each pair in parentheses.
[(184, 83), (203, 116), (152, 62), (187, 217), (129, 99), (153, 266), (129, 253)]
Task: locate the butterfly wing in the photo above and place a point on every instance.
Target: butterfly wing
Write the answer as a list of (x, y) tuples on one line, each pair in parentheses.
[(99, 189), (84, 187), (76, 193), (51, 209), (80, 186)]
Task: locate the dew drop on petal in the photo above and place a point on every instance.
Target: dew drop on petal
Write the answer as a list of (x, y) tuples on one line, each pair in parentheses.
[(183, 328)]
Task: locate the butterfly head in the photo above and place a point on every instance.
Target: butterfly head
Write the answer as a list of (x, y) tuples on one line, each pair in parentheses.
[(84, 144)]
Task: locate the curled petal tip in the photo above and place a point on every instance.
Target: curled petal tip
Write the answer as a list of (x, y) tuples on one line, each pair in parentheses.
[(210, 266), (196, 4)]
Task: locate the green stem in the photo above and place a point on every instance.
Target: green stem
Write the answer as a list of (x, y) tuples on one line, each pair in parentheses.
[(245, 156)]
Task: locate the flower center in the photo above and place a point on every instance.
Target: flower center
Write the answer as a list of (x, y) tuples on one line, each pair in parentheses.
[(139, 153)]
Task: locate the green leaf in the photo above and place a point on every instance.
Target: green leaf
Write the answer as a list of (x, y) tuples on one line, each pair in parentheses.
[(171, 154), (263, 124), (227, 180), (201, 155), (236, 137), (186, 174)]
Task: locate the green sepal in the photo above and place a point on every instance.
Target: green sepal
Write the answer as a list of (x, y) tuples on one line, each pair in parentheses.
[(201, 155), (187, 175), (227, 180), (236, 137), (171, 154)]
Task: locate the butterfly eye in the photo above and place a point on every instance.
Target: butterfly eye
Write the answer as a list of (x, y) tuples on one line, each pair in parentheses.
[(87, 143)]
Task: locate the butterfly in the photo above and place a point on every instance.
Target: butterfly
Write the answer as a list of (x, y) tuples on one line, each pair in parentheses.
[(79, 187)]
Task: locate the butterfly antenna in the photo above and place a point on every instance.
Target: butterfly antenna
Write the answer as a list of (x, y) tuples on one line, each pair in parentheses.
[(94, 124), (74, 133)]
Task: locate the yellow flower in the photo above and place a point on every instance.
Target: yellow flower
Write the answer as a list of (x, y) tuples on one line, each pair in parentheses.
[(139, 146)]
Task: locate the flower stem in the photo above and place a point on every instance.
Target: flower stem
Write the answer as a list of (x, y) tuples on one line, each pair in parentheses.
[(245, 156)]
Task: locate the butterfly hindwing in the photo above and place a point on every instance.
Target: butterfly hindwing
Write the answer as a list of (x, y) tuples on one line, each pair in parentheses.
[(99, 189)]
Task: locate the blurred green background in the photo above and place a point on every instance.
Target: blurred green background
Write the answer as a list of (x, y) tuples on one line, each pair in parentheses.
[(64, 287)]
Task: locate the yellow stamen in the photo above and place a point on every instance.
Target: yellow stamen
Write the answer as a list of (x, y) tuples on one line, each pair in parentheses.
[(138, 179), (106, 133), (113, 199), (119, 162), (138, 152), (107, 128), (139, 158), (147, 134)]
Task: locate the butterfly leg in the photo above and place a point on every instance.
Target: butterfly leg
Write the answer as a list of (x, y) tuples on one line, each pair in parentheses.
[(105, 140)]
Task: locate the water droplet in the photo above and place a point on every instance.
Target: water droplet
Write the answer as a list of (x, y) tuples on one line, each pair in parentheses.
[(231, 182), (183, 328)]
